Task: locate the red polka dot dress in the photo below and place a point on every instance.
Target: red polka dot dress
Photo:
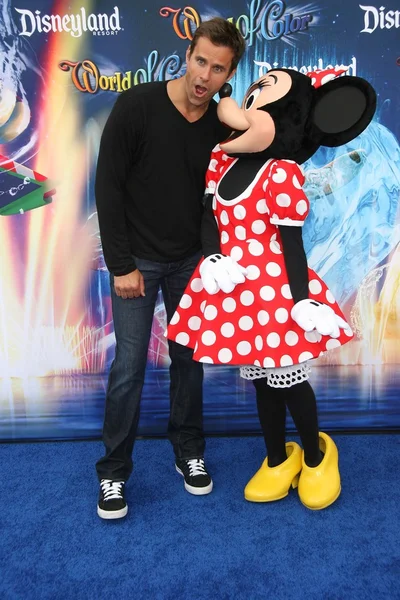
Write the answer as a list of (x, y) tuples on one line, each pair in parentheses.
[(252, 325)]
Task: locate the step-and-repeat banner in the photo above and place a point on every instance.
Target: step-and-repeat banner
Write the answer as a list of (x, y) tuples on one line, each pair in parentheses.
[(63, 64)]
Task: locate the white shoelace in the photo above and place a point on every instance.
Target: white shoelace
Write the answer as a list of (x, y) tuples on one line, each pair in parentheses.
[(111, 489), (196, 467)]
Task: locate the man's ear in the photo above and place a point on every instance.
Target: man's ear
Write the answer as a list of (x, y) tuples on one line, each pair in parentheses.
[(187, 56), (343, 108), (231, 74)]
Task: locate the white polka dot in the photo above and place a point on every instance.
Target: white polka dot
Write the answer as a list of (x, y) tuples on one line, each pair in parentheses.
[(206, 359), (196, 346), (245, 323), (224, 355), (208, 338), (275, 247), (243, 348), (273, 269), (258, 227), (348, 331), (253, 272), (301, 207), (286, 360), (257, 363), (296, 182), (186, 301), (194, 323), (281, 315), (327, 78), (211, 186), (314, 286), (210, 313), (224, 217), (240, 232), (255, 248), (182, 338), (283, 200), (267, 292), (285, 291), (214, 203), (273, 340), (291, 338), (236, 253), (261, 207), (330, 297), (229, 305), (213, 165), (239, 211), (331, 344), (263, 317), (305, 356), (203, 305), (175, 319), (247, 298), (312, 336), (196, 285), (268, 363), (224, 237), (259, 342), (279, 176), (227, 330)]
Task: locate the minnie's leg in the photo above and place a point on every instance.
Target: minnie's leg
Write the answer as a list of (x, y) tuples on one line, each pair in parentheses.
[(300, 400), (272, 415), (281, 469)]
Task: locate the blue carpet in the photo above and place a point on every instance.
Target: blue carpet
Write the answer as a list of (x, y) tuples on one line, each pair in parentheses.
[(176, 546)]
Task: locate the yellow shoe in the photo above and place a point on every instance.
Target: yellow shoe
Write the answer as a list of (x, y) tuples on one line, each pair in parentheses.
[(273, 483), (320, 486)]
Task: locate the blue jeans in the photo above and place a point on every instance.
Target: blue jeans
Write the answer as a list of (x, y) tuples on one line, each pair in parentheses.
[(132, 325)]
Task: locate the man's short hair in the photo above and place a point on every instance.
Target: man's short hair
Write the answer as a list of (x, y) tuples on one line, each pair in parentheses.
[(221, 32)]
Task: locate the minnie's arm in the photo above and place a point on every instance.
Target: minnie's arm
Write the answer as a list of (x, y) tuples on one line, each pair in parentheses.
[(210, 240), (295, 261), (289, 204)]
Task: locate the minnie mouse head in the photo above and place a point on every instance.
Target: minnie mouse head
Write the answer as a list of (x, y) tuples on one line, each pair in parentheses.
[(286, 114)]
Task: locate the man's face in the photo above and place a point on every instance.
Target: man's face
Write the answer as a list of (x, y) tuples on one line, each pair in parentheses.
[(208, 68)]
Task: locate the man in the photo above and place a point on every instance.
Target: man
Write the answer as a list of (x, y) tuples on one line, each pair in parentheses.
[(150, 179)]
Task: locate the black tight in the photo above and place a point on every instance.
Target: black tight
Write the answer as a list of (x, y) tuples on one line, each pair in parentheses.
[(271, 406)]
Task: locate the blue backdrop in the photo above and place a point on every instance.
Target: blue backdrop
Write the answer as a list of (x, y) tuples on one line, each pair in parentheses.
[(63, 64)]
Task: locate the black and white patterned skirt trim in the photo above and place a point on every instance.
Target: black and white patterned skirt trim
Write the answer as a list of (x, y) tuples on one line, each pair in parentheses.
[(278, 376)]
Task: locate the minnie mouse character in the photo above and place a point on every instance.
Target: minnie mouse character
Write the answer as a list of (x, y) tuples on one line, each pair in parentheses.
[(253, 301)]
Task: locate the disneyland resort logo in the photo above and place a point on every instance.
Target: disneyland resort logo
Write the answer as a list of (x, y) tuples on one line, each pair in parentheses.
[(379, 18), (74, 24)]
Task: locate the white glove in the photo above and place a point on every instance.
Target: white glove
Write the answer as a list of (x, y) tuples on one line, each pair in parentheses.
[(311, 314), (220, 272)]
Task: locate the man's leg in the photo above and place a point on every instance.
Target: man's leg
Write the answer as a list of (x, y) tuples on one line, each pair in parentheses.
[(132, 325), (185, 427)]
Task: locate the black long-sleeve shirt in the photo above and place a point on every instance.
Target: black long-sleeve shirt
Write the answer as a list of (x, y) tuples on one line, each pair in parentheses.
[(150, 178)]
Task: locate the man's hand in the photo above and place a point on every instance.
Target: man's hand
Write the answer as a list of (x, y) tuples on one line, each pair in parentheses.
[(130, 285), (311, 314)]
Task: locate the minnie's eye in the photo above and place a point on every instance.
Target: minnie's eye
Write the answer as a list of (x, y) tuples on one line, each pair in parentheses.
[(252, 98)]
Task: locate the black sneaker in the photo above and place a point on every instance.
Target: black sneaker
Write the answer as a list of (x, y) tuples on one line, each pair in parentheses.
[(197, 479), (112, 503)]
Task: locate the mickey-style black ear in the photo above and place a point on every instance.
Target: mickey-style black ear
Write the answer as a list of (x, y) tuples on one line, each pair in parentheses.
[(343, 108)]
